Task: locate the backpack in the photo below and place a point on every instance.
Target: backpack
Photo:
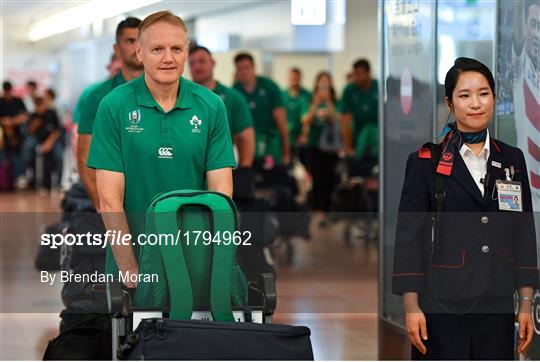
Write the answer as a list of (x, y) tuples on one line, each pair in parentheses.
[(194, 273)]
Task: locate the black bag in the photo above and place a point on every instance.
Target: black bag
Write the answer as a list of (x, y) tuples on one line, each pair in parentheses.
[(85, 259), (163, 339), (76, 200), (83, 336), (244, 184), (48, 258)]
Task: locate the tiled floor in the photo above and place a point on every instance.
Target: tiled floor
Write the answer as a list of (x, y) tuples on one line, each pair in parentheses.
[(330, 288)]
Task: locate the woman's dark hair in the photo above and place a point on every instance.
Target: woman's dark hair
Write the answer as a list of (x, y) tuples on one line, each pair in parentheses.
[(332, 89), (462, 65)]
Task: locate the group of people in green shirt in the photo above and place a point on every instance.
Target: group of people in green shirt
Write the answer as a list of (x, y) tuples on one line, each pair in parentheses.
[(321, 126), (148, 130)]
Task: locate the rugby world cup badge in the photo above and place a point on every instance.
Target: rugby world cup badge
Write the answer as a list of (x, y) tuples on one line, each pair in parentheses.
[(135, 117)]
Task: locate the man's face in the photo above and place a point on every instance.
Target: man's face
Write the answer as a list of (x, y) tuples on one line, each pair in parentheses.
[(361, 76), (126, 48), (201, 66), (294, 79), (163, 50), (532, 32), (245, 71)]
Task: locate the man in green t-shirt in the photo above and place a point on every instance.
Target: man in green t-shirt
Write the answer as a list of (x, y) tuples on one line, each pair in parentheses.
[(360, 104), (125, 49), (113, 68), (296, 100), (201, 66), (157, 133), (267, 110)]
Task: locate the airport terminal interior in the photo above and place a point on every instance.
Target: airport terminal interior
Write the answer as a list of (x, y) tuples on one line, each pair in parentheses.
[(324, 101)]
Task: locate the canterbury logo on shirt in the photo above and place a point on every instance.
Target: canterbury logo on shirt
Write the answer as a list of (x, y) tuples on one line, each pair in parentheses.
[(165, 152)]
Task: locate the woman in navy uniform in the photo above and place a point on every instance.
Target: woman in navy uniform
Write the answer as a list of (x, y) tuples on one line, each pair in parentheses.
[(464, 246)]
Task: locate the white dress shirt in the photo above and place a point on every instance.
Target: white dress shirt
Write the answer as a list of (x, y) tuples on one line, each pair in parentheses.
[(477, 165)]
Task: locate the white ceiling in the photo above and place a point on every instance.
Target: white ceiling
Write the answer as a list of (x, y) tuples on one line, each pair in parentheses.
[(17, 15)]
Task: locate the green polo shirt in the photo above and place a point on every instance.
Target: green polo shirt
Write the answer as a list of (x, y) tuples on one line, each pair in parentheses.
[(295, 107), (237, 108), (367, 145), (82, 98), (363, 105), (159, 151), (89, 105), (262, 102), (320, 122)]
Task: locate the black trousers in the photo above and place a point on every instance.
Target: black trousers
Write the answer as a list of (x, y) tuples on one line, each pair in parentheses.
[(477, 336), (322, 166)]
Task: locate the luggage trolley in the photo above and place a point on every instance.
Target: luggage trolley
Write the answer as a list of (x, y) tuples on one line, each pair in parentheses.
[(125, 317)]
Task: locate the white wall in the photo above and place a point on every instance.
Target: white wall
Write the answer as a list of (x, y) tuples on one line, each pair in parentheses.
[(361, 39), (310, 64)]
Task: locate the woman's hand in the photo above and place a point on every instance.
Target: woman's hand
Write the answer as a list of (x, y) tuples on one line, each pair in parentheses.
[(415, 323), (526, 326)]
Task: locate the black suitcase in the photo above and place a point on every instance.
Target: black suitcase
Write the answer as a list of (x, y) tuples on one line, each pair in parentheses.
[(164, 339), (83, 336)]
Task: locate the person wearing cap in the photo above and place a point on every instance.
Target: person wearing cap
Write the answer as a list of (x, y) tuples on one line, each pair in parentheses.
[(463, 246), (160, 132)]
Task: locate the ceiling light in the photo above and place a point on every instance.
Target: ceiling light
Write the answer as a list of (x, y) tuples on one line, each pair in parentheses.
[(81, 15)]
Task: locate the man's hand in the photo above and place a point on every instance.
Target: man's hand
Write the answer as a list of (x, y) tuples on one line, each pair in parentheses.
[(286, 158), (128, 272), (415, 323), (526, 327)]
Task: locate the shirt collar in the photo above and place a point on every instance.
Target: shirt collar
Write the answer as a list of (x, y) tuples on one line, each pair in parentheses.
[(144, 97), (484, 153)]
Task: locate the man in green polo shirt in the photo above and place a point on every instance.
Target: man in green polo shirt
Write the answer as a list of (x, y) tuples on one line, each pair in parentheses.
[(296, 98), (201, 66), (125, 48), (157, 133), (113, 68), (360, 104), (267, 109)]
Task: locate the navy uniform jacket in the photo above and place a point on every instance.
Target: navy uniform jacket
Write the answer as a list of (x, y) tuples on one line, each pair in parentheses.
[(482, 250)]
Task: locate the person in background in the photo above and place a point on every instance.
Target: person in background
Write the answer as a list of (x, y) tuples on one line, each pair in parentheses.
[(43, 130), (268, 112), (12, 115), (321, 134), (296, 100), (360, 104), (49, 97), (201, 66), (31, 95), (125, 48), (113, 67)]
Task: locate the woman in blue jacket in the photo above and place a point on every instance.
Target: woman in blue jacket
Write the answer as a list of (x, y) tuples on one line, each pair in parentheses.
[(464, 246)]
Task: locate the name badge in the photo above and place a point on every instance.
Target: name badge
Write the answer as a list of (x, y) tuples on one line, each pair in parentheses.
[(509, 195)]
